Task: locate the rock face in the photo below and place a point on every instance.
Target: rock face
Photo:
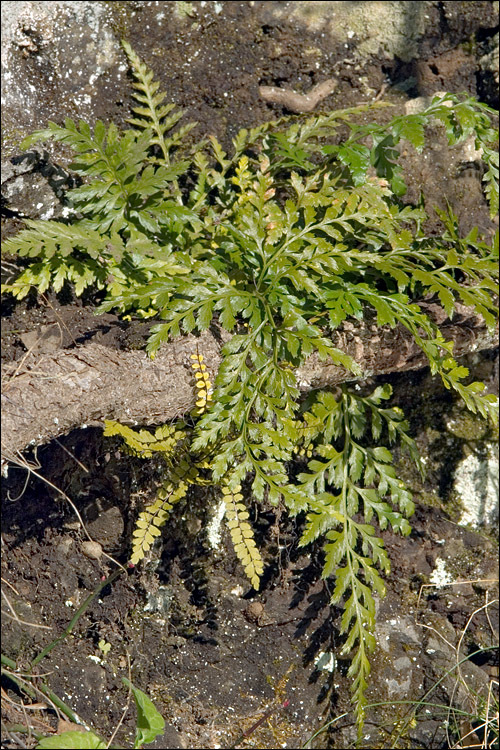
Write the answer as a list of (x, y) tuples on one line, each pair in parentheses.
[(386, 29), (55, 56), (59, 59)]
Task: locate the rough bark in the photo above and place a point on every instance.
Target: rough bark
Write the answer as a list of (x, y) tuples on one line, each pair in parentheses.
[(48, 395)]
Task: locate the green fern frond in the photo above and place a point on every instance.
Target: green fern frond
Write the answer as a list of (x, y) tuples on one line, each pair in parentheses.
[(364, 479), (242, 534), (152, 113)]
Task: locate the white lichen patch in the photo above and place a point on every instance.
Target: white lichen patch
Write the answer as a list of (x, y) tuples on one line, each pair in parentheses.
[(476, 483), (159, 600), (440, 577), (213, 528), (325, 661)]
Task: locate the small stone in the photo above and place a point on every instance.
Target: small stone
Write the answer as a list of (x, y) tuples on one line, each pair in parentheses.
[(92, 550), (254, 612)]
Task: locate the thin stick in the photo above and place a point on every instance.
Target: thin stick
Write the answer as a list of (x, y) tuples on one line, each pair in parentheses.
[(127, 704), (24, 464), (26, 685)]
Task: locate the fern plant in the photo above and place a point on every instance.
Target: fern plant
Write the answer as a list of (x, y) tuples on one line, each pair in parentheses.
[(279, 244)]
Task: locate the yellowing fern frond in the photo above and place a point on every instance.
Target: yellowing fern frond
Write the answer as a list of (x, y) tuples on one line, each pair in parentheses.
[(184, 470), (143, 443), (242, 535), (203, 384), (152, 518)]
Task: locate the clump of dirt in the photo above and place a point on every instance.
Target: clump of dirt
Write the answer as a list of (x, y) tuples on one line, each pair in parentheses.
[(45, 321), (213, 655)]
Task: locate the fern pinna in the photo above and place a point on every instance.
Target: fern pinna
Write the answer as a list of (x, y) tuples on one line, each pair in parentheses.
[(180, 470), (279, 243)]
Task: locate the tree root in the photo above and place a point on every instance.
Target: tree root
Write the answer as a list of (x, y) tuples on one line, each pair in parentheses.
[(298, 102), (52, 394)]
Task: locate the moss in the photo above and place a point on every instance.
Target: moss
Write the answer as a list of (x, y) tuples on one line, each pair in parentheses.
[(11, 140), (470, 47), (120, 17), (467, 426), (184, 10)]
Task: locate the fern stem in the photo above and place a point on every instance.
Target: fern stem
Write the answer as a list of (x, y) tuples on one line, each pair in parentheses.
[(290, 237)]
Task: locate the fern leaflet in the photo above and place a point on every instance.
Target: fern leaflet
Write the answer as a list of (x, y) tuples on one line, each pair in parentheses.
[(242, 534)]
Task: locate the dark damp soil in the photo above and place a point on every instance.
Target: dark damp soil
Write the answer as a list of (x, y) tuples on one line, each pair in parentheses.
[(212, 654)]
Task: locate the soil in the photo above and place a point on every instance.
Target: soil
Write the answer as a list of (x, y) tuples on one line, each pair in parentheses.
[(212, 654)]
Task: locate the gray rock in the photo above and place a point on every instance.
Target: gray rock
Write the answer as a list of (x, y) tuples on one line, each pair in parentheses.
[(54, 55)]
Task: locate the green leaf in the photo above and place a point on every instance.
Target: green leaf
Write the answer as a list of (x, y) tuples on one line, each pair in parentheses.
[(355, 156), (150, 723), (384, 157), (72, 740), (410, 127)]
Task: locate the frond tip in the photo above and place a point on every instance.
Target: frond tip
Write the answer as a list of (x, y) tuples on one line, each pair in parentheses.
[(152, 113), (242, 534), (147, 528), (152, 518)]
